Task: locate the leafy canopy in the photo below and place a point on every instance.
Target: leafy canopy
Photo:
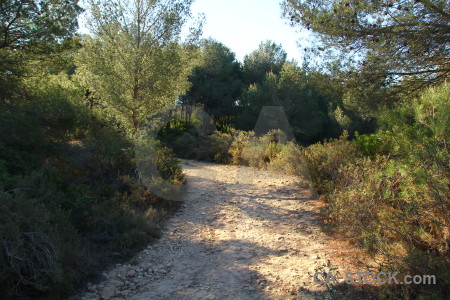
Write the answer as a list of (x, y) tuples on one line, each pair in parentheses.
[(216, 81), (27, 22), (134, 64), (405, 40), (269, 57)]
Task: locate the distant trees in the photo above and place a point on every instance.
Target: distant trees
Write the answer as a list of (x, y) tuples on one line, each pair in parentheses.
[(296, 91), (216, 81), (134, 63), (269, 57), (235, 94)]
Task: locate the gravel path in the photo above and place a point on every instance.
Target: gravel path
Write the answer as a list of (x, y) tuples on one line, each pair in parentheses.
[(242, 233)]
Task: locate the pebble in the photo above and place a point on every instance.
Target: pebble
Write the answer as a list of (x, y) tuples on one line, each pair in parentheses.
[(108, 292), (156, 261), (131, 273)]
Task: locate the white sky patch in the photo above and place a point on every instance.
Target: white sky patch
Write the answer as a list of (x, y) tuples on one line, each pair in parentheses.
[(242, 25)]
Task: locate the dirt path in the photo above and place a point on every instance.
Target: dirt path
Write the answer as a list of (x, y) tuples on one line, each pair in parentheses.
[(242, 233)]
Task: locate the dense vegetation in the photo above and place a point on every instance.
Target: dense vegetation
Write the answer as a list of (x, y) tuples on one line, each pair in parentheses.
[(386, 179), (78, 144), (387, 191), (71, 201)]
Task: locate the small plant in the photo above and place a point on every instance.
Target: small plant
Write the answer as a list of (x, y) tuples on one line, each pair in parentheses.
[(241, 139), (325, 159)]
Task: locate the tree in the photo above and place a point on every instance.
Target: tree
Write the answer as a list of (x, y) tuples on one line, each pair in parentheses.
[(269, 57), (254, 98), (134, 63), (306, 107), (393, 41), (26, 22), (32, 33), (216, 82)]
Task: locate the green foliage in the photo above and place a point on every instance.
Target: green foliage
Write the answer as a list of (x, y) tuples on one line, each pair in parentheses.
[(268, 58), (254, 99), (11, 70), (290, 161), (373, 144), (258, 152), (382, 39), (28, 24), (188, 144), (271, 151), (241, 139), (216, 81), (325, 159), (217, 146), (131, 68), (73, 195), (29, 253), (306, 107), (168, 165), (432, 110), (71, 202), (394, 201), (398, 212)]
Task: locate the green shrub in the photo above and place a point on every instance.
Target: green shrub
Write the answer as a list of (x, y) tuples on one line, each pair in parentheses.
[(290, 161), (169, 166), (368, 144), (186, 145), (325, 159), (33, 248), (432, 110), (181, 137), (246, 149), (397, 211), (239, 143), (70, 199), (395, 201), (220, 144), (214, 147)]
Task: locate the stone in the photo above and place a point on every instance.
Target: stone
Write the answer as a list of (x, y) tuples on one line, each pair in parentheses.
[(108, 292), (131, 273), (116, 282)]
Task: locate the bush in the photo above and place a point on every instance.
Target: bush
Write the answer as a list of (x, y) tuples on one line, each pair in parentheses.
[(398, 213), (325, 159), (186, 145), (67, 220), (181, 137), (70, 200), (169, 166), (368, 144), (290, 161), (240, 141), (390, 191), (35, 242), (254, 151), (214, 147)]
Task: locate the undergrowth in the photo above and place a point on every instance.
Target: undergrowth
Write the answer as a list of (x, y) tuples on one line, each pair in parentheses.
[(71, 201)]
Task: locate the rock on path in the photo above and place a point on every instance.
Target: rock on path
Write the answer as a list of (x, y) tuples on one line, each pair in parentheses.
[(242, 233)]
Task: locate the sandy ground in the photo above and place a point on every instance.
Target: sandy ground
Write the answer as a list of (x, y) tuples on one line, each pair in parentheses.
[(241, 233)]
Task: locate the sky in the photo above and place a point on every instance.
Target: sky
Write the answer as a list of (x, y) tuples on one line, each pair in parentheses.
[(242, 25)]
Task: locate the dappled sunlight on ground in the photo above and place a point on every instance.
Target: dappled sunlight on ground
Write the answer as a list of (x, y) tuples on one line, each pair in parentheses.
[(241, 233)]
